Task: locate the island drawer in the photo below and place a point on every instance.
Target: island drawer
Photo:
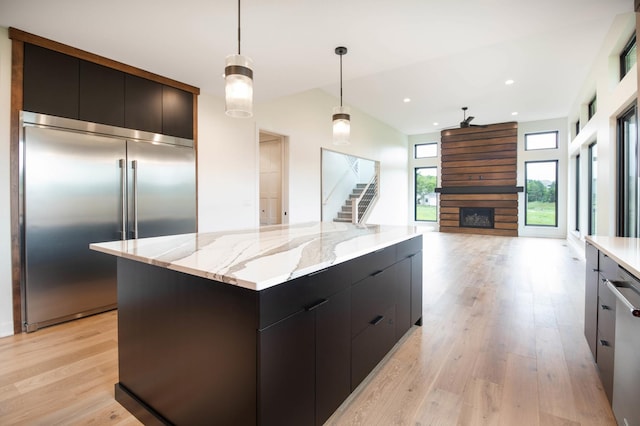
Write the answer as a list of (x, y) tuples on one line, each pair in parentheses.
[(607, 266), (370, 346), (408, 248), (302, 293), (372, 263), (369, 299)]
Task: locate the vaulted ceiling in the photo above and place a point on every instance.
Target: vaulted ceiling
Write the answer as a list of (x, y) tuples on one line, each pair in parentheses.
[(442, 54)]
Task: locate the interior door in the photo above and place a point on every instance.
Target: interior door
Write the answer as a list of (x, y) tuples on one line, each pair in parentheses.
[(162, 189), (271, 181)]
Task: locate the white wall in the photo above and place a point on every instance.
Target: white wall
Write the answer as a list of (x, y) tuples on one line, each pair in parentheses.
[(228, 173), (614, 96), (6, 298), (305, 118)]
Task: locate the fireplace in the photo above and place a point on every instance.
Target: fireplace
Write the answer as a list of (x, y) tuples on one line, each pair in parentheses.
[(477, 217)]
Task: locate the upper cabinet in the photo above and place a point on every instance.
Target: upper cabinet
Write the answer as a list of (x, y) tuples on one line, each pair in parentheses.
[(101, 94), (63, 85), (50, 82), (177, 112), (143, 104)]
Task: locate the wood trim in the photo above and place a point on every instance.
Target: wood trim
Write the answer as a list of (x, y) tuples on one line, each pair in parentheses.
[(487, 197), (23, 36), (479, 156), (17, 61), (479, 203), (471, 163), (480, 142)]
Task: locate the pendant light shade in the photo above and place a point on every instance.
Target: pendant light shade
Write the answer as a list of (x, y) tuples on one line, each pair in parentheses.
[(341, 125), (341, 117), (238, 76)]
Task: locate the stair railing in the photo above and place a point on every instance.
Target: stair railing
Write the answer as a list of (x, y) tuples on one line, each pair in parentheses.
[(361, 205)]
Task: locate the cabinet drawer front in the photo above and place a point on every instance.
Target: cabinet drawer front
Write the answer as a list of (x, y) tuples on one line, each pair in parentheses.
[(370, 298), (371, 263), (408, 248), (282, 300), (608, 267), (606, 322), (605, 366), (371, 346), (605, 297)]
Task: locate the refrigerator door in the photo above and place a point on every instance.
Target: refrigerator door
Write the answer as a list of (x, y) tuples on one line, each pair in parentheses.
[(72, 197), (162, 189)]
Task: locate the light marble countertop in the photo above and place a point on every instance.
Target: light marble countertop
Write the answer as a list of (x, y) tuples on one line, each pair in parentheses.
[(625, 251), (263, 257)]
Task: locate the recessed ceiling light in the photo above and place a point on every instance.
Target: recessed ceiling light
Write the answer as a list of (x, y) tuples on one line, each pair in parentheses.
[(435, 123), (509, 82), (406, 100), (514, 113)]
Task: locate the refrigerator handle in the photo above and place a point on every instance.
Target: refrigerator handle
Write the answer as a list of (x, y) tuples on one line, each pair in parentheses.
[(123, 195), (134, 166)]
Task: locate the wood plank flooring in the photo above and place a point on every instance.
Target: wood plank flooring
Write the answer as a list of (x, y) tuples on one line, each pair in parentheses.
[(501, 344)]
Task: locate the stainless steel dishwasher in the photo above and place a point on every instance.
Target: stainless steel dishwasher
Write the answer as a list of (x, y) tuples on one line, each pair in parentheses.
[(626, 375)]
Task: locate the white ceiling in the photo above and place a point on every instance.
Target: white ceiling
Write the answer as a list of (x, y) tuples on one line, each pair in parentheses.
[(443, 54)]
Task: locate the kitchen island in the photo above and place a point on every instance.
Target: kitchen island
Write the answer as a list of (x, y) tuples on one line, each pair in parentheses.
[(270, 326)]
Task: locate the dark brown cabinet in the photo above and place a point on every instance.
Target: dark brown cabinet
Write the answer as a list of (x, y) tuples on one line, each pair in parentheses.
[(66, 86), (177, 112), (315, 338), (314, 335), (142, 104), (287, 371), (101, 94), (50, 82)]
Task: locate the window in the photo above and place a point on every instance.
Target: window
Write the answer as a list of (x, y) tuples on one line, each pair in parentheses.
[(425, 150), (543, 140), (577, 194), (593, 180), (628, 57), (628, 174), (577, 129), (541, 193), (592, 107), (426, 208)]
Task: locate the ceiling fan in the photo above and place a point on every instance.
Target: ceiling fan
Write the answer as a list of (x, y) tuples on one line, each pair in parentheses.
[(466, 121)]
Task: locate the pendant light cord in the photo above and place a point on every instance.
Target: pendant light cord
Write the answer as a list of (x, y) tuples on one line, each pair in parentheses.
[(238, 27), (341, 81)]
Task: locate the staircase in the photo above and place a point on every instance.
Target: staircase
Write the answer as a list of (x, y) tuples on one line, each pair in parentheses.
[(366, 200)]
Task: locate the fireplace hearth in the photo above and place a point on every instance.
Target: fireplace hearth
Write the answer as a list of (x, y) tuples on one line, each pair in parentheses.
[(477, 217)]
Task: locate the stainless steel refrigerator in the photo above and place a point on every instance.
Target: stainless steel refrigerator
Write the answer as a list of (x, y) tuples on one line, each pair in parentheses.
[(83, 183)]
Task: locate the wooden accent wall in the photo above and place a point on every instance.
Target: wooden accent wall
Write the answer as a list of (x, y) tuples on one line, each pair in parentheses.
[(479, 167)]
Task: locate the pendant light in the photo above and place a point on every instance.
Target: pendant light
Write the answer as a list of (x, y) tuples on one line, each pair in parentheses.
[(341, 117), (238, 76)]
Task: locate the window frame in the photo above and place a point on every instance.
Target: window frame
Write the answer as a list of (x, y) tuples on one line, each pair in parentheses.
[(526, 197), (622, 201), (577, 193), (592, 107), (592, 207), (631, 44), (415, 150), (415, 194), (526, 146)]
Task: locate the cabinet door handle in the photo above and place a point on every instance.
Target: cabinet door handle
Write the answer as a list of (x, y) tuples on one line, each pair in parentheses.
[(316, 305), (377, 320), (596, 270), (377, 273), (604, 342), (605, 308)]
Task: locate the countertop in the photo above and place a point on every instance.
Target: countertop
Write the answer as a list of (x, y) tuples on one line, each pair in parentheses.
[(625, 251), (263, 257)]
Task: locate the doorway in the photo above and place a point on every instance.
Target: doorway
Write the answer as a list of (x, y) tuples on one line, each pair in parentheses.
[(273, 179)]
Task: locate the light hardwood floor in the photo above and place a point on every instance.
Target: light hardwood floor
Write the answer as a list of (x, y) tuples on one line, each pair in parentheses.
[(501, 344)]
